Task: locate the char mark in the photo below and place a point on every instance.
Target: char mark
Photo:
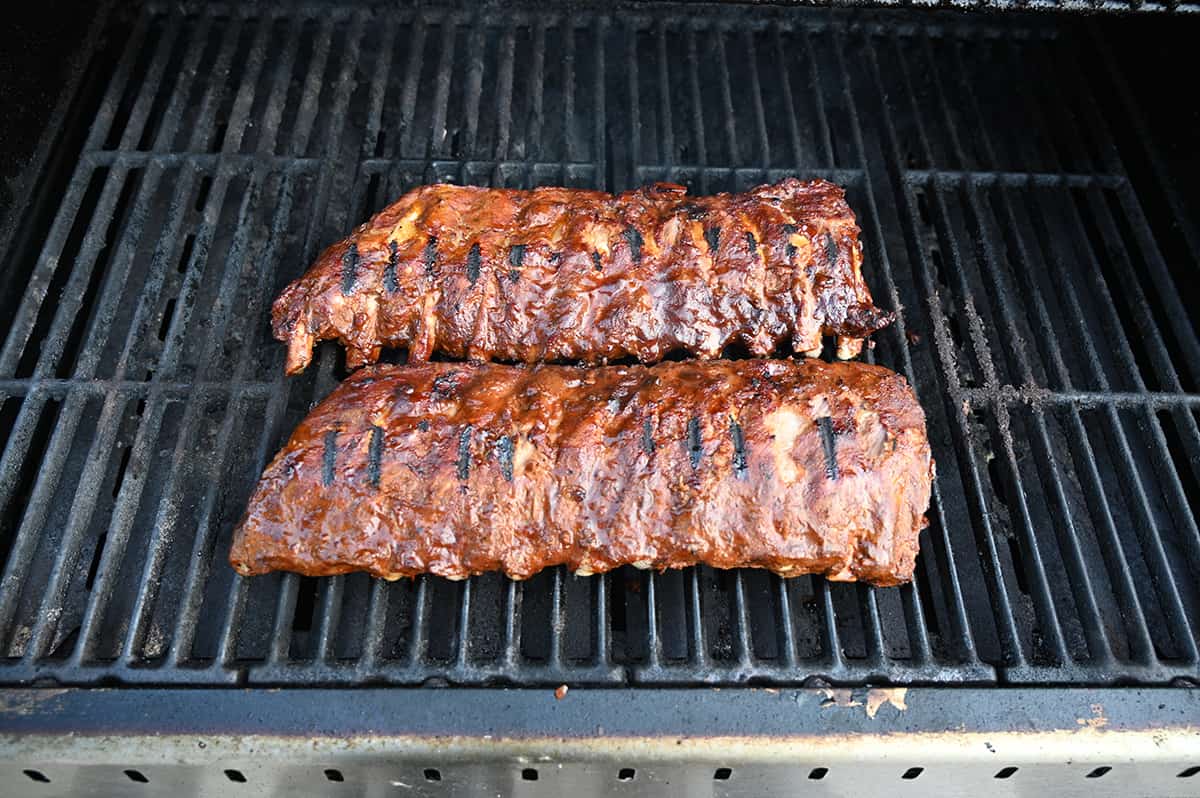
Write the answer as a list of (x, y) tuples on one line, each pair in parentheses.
[(829, 445), (516, 255), (713, 236), (474, 261), (596, 261), (375, 456), (831, 250), (504, 452), (445, 384), (464, 452), (647, 437), (329, 457), (430, 254), (635, 242), (751, 243), (389, 272), (694, 443), (739, 448), (790, 230), (349, 269)]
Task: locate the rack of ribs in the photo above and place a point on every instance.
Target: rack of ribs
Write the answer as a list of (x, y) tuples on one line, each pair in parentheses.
[(797, 466), (556, 274)]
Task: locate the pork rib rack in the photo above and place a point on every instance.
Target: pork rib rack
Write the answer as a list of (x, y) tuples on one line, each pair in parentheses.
[(797, 466), (566, 274)]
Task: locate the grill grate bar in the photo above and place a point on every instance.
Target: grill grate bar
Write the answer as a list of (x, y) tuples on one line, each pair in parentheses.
[(785, 88), (121, 522), (1164, 465), (697, 114), (727, 113), (949, 568), (159, 540), (654, 645), (1068, 536), (1142, 650), (1148, 528), (992, 572)]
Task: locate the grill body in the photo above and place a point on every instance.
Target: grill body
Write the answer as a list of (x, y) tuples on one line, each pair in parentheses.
[(1011, 205)]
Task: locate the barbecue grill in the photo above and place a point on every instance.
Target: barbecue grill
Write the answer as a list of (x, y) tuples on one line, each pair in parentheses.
[(1017, 203)]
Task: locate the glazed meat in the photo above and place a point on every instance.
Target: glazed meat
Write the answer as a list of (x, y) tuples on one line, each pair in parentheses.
[(456, 469), (567, 274)]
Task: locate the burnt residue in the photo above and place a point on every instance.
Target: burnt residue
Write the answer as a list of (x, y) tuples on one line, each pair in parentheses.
[(390, 284), (463, 466), (751, 243), (349, 269), (596, 263), (375, 456)]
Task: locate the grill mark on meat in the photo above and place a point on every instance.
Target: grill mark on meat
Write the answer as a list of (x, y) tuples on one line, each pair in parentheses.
[(329, 457), (739, 448), (596, 264), (682, 287), (464, 453), (634, 237), (712, 235), (312, 512), (694, 443), (831, 250), (430, 255), (504, 453), (647, 437), (375, 456), (516, 255), (389, 273), (349, 269), (829, 446), (474, 261)]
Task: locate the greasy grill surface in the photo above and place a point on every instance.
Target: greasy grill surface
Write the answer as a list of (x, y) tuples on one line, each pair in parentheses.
[(446, 468), (1043, 328), (565, 274)]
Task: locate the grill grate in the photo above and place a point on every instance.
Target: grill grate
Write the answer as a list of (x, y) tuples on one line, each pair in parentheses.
[(1042, 328)]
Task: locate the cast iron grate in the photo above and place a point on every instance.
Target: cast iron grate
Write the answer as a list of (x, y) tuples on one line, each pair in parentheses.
[(141, 392)]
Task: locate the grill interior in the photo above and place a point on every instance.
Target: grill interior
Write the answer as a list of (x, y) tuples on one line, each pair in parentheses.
[(1044, 329)]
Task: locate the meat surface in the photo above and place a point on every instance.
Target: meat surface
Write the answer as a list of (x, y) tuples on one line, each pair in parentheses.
[(568, 274), (457, 469)]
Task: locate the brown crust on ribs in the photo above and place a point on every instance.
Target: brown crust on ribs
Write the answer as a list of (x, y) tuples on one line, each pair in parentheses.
[(458, 469), (569, 274)]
